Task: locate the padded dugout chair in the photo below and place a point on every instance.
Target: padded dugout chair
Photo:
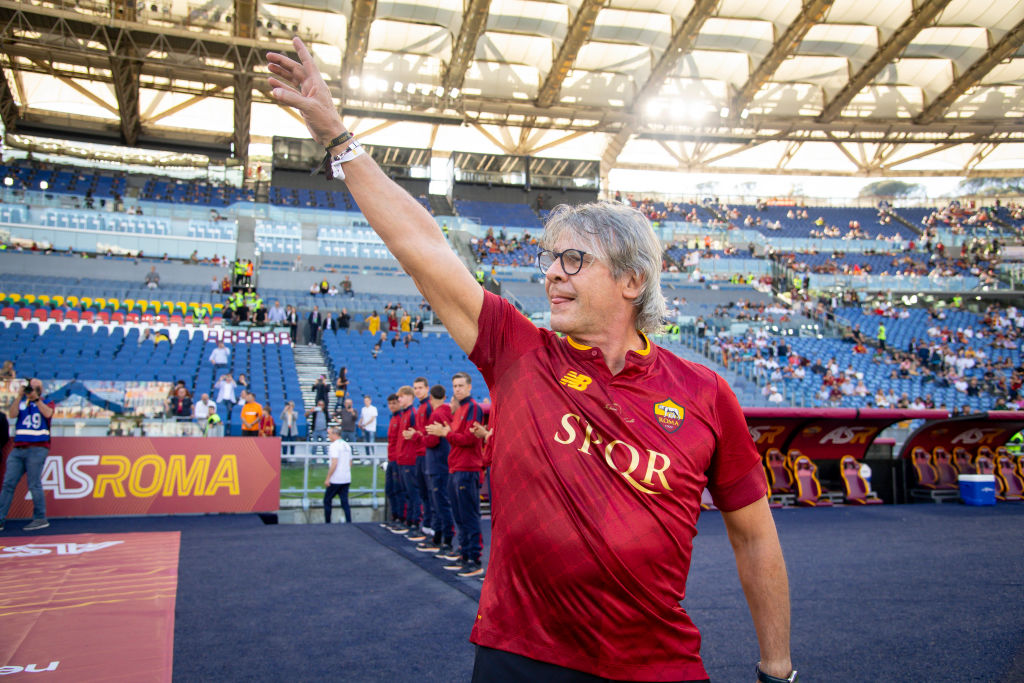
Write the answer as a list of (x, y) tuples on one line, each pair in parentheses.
[(963, 461), (983, 463), (808, 487), (781, 483), (947, 474), (928, 486), (1011, 484), (858, 490)]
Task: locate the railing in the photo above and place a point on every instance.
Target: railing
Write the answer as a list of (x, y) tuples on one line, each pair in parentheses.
[(304, 465)]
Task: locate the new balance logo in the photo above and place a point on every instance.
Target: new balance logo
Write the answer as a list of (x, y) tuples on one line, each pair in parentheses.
[(575, 380)]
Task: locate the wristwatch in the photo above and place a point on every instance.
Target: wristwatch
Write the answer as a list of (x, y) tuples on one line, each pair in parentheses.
[(765, 678)]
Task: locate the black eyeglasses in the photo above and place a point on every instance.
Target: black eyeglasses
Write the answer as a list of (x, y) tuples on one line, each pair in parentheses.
[(572, 260)]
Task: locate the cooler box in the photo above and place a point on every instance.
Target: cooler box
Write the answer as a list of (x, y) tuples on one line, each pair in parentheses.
[(978, 489)]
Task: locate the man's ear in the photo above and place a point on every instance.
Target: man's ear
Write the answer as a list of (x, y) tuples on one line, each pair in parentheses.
[(632, 285)]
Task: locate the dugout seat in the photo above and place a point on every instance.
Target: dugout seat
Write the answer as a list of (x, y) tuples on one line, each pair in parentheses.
[(858, 490), (781, 483), (947, 474), (808, 488), (1010, 483), (983, 463), (928, 486), (963, 461)]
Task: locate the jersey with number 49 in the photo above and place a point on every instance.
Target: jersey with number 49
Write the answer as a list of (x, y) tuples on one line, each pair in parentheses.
[(32, 429)]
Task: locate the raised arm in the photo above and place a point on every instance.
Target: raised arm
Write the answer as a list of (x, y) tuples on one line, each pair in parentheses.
[(409, 232)]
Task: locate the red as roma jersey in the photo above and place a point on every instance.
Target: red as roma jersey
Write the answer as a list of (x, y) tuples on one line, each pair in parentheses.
[(596, 486)]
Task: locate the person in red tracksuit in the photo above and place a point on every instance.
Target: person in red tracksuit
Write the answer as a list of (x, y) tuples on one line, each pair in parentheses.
[(465, 462), (392, 480), (413, 436)]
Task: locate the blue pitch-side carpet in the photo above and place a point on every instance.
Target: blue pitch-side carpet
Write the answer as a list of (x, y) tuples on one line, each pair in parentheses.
[(894, 593)]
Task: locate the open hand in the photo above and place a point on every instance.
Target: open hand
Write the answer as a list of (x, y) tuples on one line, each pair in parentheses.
[(300, 85)]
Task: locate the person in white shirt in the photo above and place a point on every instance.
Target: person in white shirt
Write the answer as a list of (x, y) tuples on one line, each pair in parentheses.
[(276, 314), (220, 355), (339, 476), (225, 388), (368, 419), (202, 409)]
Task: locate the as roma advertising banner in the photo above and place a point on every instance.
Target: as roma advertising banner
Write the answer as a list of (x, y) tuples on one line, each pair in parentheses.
[(100, 476)]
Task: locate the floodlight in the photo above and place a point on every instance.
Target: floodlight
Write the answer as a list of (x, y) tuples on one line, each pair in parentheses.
[(43, 185), (353, 82)]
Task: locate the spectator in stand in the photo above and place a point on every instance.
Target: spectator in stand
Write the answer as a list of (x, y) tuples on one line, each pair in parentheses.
[(349, 421), (181, 405), (346, 287), (7, 371), (225, 389), (152, 278), (202, 409), (215, 286), (225, 285), (291, 318), (314, 322), (341, 387), (252, 414), (318, 422), (220, 355), (289, 421), (368, 419), (344, 320), (373, 324), (320, 390), (276, 314)]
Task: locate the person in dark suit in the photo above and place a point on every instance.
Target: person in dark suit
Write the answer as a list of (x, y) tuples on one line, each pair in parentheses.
[(291, 319), (329, 322), (315, 320)]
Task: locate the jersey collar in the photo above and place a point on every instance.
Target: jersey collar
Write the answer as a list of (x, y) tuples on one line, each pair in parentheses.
[(639, 358)]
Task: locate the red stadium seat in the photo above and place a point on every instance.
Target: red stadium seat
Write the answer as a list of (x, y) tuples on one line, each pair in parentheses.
[(177, 320), (40, 314), (963, 461), (117, 318), (133, 318), (71, 315), (808, 487), (88, 316), (103, 316), (858, 491), (7, 312), (942, 461), (57, 315), (1011, 484), (25, 313)]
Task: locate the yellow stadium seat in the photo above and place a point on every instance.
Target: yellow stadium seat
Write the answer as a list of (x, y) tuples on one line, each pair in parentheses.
[(86, 301), (129, 304), (29, 299), (209, 308), (43, 299), (72, 301), (58, 300), (15, 298), (100, 302), (218, 307), (143, 305), (183, 306), (114, 304), (169, 307)]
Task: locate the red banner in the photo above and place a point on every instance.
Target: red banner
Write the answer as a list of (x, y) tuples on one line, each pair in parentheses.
[(992, 429), (157, 476), (88, 607)]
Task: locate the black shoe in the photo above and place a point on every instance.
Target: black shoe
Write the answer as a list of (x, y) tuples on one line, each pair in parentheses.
[(444, 551), (36, 524), (428, 547), (400, 529), (453, 554), (456, 566), (471, 568), (416, 534)]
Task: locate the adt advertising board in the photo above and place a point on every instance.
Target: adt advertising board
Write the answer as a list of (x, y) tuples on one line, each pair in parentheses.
[(157, 476)]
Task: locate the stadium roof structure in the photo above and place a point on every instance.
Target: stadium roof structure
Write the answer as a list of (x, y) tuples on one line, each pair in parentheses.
[(838, 87)]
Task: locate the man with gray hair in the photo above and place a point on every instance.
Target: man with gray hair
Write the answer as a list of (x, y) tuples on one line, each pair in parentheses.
[(603, 441)]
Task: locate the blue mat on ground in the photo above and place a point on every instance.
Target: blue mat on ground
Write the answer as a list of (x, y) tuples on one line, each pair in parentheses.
[(889, 593)]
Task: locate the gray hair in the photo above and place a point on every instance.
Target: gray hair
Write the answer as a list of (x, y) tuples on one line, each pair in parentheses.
[(623, 238)]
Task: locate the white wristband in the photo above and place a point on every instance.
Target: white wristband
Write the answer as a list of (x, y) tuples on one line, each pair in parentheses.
[(350, 153)]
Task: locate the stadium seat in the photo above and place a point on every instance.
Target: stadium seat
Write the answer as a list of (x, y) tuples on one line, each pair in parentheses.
[(927, 486), (858, 491), (87, 316), (103, 316), (942, 461), (25, 313), (133, 317), (1011, 484), (780, 477), (963, 461), (40, 314), (57, 315), (809, 492), (117, 317), (7, 313), (71, 316)]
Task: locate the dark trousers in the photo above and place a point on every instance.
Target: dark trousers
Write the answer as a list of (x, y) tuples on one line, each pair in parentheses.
[(412, 495), (442, 506), (497, 665), (464, 489), (394, 491), (341, 491), (424, 490)]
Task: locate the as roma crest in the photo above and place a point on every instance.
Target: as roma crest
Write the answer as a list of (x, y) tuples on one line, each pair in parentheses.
[(669, 414)]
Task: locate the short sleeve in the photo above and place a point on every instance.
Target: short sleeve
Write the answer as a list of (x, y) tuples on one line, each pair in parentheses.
[(735, 478), (503, 336)]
